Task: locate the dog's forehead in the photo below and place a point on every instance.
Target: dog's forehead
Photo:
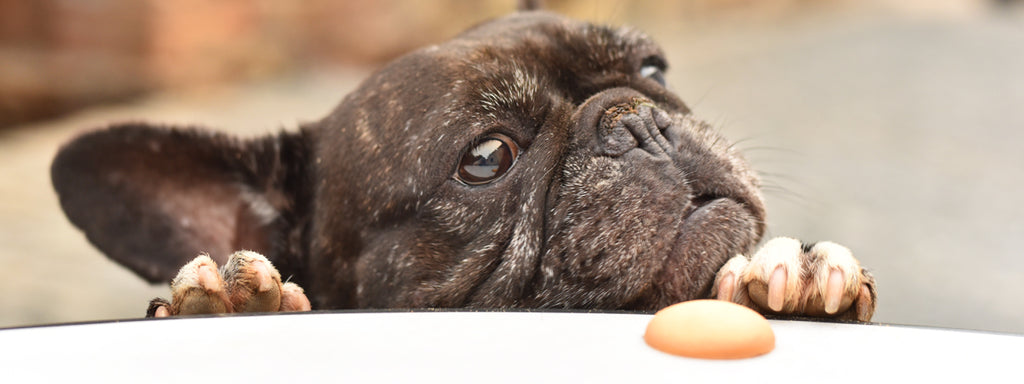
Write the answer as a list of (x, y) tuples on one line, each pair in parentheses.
[(509, 65), (540, 37), (526, 25), (502, 64)]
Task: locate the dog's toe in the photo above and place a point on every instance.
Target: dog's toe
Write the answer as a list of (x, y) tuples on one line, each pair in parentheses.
[(254, 285), (773, 278), (248, 282), (293, 298), (728, 285), (197, 289), (789, 278)]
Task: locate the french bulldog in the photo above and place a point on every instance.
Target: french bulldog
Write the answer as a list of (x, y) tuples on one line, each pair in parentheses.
[(533, 161)]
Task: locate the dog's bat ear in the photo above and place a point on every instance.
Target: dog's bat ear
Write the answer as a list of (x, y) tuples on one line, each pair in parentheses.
[(530, 5), (152, 198)]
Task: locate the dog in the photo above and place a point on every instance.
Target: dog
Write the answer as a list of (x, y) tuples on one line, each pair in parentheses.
[(533, 161)]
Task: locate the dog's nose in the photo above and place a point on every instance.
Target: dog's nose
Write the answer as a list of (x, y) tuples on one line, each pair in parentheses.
[(635, 123), (623, 119)]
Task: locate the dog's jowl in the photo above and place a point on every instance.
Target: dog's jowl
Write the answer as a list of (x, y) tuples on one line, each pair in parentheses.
[(533, 161)]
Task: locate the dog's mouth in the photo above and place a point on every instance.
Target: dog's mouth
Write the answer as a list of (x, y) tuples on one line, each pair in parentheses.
[(702, 205), (713, 229), (725, 220), (700, 202)]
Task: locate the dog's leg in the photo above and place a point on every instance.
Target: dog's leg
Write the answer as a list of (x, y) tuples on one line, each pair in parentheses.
[(786, 277), (248, 282)]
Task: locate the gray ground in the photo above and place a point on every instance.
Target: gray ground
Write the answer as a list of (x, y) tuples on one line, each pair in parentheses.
[(897, 136)]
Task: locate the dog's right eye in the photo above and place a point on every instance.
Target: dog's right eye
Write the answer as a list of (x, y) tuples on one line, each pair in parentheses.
[(653, 68), (488, 160)]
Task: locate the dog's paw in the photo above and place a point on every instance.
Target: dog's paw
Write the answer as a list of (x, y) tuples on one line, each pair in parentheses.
[(788, 278), (248, 282)]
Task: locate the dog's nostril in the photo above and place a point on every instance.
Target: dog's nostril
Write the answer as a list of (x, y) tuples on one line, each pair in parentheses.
[(616, 138), (617, 126), (619, 142), (661, 119)]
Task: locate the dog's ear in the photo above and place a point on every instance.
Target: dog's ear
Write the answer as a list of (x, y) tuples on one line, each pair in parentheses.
[(153, 198)]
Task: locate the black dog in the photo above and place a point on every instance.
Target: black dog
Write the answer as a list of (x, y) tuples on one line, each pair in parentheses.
[(532, 161)]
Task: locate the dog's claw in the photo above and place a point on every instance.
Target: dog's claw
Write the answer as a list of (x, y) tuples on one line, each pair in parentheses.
[(726, 286), (865, 302), (208, 278), (293, 299), (777, 289), (162, 312), (158, 308), (834, 291), (248, 282), (783, 278)]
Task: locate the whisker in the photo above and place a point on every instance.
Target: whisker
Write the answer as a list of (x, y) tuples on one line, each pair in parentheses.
[(717, 129), (773, 176), (617, 8), (804, 200), (606, 12), (775, 190), (771, 149), (700, 100), (742, 140)]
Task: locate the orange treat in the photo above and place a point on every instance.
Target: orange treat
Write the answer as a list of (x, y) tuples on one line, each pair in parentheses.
[(710, 329)]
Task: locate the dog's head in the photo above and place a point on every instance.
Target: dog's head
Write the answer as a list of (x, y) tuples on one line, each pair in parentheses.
[(532, 161)]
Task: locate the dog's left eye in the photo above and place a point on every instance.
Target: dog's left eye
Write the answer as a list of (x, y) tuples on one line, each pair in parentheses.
[(654, 68), (490, 159)]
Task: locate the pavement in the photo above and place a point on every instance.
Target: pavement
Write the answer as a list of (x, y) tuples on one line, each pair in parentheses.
[(895, 134)]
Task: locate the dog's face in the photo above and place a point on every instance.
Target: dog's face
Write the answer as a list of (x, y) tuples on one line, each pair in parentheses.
[(533, 161)]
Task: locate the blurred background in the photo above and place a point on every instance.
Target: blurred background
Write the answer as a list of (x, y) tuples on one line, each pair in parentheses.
[(890, 126)]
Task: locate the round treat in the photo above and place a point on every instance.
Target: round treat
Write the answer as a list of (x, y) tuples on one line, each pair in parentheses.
[(710, 329)]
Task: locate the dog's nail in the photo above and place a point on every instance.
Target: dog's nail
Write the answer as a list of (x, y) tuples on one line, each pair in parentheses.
[(726, 286), (162, 312), (293, 299), (865, 305), (834, 291), (209, 279), (777, 289), (266, 282)]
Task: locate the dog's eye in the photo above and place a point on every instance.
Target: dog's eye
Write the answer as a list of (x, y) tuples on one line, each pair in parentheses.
[(654, 68), (491, 158)]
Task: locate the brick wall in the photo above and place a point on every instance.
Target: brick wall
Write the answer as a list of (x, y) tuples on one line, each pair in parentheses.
[(58, 55)]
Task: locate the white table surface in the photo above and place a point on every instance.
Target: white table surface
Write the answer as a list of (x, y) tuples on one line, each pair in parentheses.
[(483, 347)]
